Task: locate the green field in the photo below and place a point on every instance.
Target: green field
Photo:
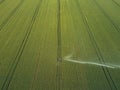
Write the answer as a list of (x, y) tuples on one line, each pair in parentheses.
[(59, 44)]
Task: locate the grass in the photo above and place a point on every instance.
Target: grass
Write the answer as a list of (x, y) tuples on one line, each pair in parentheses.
[(37, 35)]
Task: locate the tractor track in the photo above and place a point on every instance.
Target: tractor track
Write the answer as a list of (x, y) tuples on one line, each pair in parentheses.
[(11, 14), (116, 3), (98, 52), (59, 49), (35, 75), (14, 65), (107, 16)]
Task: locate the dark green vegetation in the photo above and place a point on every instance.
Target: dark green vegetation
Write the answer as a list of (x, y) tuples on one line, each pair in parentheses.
[(41, 39)]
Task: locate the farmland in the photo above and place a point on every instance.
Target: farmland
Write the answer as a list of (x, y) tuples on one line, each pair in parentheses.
[(59, 45)]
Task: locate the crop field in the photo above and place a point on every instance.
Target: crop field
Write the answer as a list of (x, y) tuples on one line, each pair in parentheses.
[(59, 44)]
